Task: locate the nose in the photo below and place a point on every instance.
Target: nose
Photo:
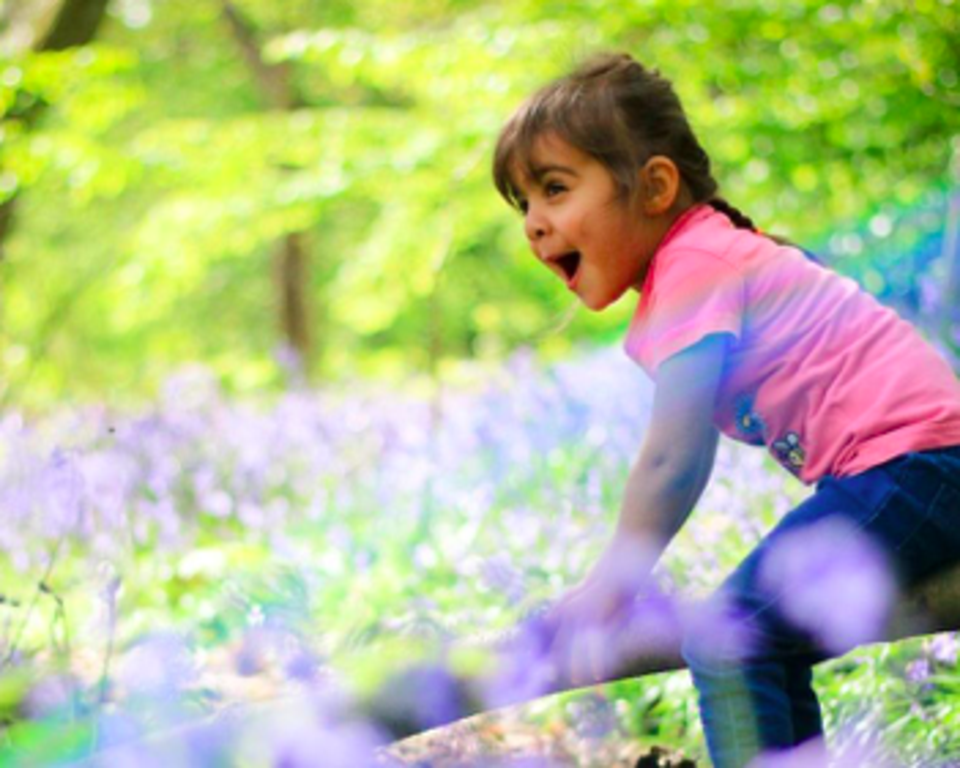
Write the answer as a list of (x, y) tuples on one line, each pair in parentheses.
[(534, 225)]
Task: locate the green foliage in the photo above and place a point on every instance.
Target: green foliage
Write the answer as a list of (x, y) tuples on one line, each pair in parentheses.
[(154, 188)]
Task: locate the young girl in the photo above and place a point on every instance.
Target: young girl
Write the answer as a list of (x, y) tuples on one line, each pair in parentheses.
[(744, 335)]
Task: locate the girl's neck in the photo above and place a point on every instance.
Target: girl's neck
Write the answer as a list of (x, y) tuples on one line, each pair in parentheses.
[(682, 205), (668, 222)]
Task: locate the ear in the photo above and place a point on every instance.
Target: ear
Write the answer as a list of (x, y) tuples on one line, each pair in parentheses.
[(660, 185)]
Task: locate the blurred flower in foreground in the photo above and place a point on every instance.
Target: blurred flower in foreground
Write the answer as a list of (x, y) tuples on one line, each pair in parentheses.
[(123, 742), (115, 729), (160, 666), (309, 733), (524, 667), (52, 696), (716, 631), (944, 648), (419, 698), (918, 670), (833, 581)]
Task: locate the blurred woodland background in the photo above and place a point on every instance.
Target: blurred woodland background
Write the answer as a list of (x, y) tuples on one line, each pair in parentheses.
[(288, 188), (295, 196)]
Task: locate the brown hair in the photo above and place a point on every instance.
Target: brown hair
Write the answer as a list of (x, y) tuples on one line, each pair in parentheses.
[(619, 112)]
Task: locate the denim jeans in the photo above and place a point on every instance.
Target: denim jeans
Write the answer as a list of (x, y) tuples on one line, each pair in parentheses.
[(756, 695)]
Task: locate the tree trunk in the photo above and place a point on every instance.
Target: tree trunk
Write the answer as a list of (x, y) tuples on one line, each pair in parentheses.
[(292, 271), (75, 24), (7, 210), (291, 262)]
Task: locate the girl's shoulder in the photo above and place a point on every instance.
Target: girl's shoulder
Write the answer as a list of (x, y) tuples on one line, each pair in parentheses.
[(707, 242), (707, 233)]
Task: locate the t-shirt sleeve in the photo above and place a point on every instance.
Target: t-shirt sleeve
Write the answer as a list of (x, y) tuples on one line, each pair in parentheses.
[(694, 294)]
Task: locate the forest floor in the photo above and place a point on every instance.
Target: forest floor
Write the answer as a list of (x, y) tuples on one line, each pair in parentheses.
[(499, 740)]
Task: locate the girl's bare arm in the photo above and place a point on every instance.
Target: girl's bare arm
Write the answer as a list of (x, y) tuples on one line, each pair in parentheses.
[(663, 486), (673, 465)]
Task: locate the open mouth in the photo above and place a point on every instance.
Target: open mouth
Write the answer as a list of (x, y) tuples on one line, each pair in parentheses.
[(569, 263)]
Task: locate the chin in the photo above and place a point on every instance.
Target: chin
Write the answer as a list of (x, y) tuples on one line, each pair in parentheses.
[(595, 306), (599, 303)]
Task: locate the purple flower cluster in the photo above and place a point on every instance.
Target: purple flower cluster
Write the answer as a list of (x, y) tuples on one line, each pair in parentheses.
[(398, 516)]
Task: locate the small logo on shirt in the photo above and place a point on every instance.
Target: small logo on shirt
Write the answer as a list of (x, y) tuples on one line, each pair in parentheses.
[(790, 452), (749, 424)]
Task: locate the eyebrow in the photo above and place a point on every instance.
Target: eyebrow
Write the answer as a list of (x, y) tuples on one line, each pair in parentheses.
[(539, 171)]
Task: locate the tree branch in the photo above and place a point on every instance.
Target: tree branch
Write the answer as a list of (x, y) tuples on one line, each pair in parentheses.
[(75, 24), (274, 79)]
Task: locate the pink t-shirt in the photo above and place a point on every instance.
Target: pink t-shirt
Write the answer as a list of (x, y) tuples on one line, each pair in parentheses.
[(829, 379)]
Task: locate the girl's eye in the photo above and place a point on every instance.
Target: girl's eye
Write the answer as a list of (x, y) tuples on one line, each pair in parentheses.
[(553, 188)]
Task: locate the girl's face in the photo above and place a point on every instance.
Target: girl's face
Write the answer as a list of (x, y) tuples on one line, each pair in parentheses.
[(598, 243)]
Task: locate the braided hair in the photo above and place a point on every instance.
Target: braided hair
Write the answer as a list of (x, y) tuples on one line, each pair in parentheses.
[(738, 217)]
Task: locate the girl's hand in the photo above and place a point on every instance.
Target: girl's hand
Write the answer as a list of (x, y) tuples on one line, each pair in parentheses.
[(586, 621), (581, 624)]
